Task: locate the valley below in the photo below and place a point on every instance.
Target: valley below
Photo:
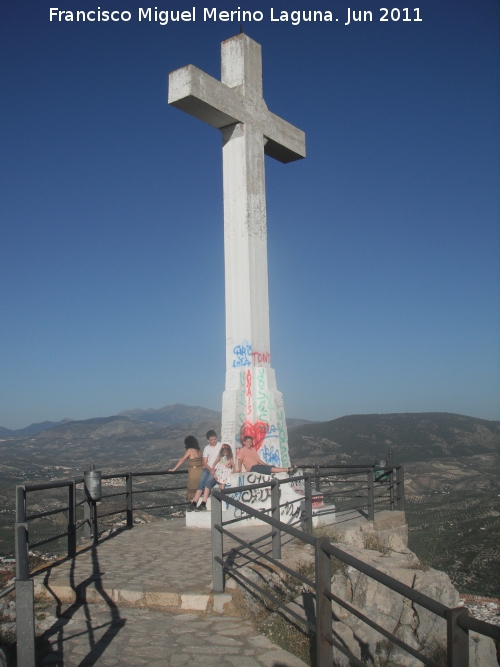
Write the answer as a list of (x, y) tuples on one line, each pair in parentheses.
[(452, 472)]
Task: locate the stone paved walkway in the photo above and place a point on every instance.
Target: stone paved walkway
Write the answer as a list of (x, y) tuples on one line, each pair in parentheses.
[(130, 601), (122, 637), (161, 564)]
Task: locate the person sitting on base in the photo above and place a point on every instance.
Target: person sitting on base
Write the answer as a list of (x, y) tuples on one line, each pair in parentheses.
[(207, 479), (248, 457), (224, 466)]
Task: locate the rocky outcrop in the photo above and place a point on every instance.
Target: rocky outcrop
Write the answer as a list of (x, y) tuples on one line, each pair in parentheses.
[(382, 544), (419, 628)]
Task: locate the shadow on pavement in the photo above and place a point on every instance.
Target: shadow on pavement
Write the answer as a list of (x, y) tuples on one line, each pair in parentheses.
[(50, 645)]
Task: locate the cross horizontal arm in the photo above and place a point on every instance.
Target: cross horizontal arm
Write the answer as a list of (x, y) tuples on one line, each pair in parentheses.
[(206, 98)]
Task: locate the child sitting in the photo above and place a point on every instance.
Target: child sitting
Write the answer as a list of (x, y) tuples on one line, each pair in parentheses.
[(224, 466)]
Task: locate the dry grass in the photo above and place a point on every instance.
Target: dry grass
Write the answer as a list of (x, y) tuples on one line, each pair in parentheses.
[(373, 542)]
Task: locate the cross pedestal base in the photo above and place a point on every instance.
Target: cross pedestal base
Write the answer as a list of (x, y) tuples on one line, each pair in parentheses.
[(252, 405), (292, 496)]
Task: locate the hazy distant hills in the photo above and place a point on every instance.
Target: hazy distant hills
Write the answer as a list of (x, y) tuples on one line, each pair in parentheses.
[(410, 436), (152, 439), (135, 439), (32, 429), (167, 416), (172, 414)]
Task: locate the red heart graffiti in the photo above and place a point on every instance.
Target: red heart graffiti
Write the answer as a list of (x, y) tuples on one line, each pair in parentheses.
[(257, 432)]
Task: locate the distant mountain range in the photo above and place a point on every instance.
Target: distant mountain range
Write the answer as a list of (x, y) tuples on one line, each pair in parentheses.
[(167, 416), (32, 429), (152, 439), (410, 436), (172, 414)]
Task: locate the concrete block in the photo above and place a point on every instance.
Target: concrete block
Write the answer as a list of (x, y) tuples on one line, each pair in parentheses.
[(60, 592), (162, 599), (40, 590), (323, 516), (220, 601), (199, 520), (93, 594), (194, 602), (135, 598)]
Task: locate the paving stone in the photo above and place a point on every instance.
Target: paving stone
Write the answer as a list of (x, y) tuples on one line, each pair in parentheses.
[(222, 640), (120, 631), (259, 641), (234, 631), (220, 601)]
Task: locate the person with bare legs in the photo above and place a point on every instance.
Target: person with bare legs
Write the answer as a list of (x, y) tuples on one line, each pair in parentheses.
[(249, 457)]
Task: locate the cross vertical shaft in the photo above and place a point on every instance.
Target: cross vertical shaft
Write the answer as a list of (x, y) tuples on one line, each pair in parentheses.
[(251, 403)]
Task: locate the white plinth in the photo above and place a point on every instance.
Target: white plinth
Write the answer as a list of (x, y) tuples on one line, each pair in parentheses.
[(260, 500), (252, 405)]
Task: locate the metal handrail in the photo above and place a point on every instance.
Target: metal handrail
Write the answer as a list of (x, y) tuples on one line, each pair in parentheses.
[(49, 539), (389, 635), (49, 485), (275, 523), (7, 590), (275, 562), (30, 517), (482, 627), (385, 579), (151, 473), (165, 488), (90, 522), (268, 595), (457, 619)]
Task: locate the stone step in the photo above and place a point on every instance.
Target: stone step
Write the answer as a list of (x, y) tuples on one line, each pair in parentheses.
[(95, 592)]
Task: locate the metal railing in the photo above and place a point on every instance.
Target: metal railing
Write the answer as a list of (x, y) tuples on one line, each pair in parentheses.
[(377, 485), (23, 586), (457, 619)]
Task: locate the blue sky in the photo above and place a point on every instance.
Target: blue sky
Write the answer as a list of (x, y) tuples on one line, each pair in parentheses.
[(383, 243)]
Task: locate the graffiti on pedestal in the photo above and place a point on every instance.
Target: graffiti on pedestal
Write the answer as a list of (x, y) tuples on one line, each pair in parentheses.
[(270, 455), (243, 355), (256, 430), (257, 411), (285, 459), (260, 499)]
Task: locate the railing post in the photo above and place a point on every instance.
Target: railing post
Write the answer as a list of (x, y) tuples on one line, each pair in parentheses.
[(130, 514), (317, 484), (21, 537), (275, 514), (324, 636), (95, 527), (217, 545), (308, 513), (457, 639), (72, 520), (371, 495), (400, 488), (87, 515), (25, 605)]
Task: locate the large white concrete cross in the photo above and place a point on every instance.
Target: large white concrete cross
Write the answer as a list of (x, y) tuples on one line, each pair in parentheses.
[(235, 106)]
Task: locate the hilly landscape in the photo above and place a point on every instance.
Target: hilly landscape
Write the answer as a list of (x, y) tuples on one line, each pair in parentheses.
[(452, 470), (134, 439), (410, 436)]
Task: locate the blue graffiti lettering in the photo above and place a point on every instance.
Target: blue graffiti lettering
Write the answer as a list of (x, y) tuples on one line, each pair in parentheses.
[(243, 355), (270, 455)]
